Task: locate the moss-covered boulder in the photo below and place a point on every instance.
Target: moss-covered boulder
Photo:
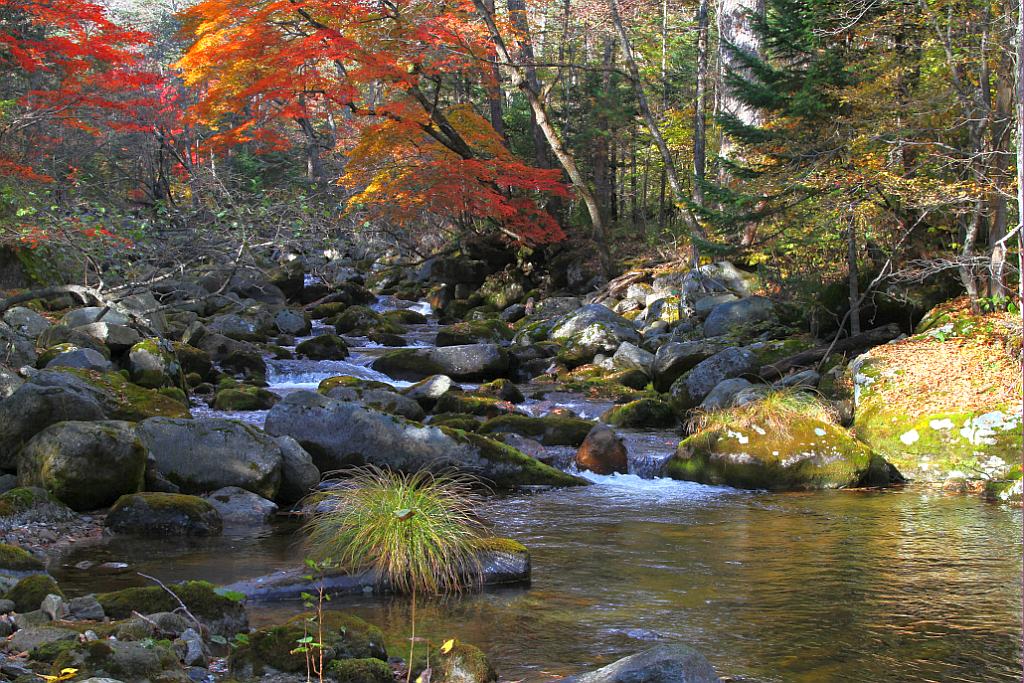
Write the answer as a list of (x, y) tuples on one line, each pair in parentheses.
[(945, 403), (649, 413), (503, 389), (363, 670), (405, 316), (803, 454), (470, 362), (86, 465), (163, 514), (323, 347), (32, 504), (550, 430), (467, 423), (360, 320), (474, 331), (275, 648), (152, 363), (221, 614), (15, 560), (244, 397), (463, 663), (469, 404), (130, 662), (350, 382), (121, 399), (193, 360), (28, 593)]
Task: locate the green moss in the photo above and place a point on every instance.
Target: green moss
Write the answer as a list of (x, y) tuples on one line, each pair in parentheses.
[(364, 670), (351, 383), (510, 467), (323, 347), (551, 430), (28, 593), (405, 316), (24, 498), (497, 544), (465, 663), (813, 455), (503, 389), (244, 398), (13, 558), (467, 404), (466, 423), (344, 637), (174, 393), (644, 413), (360, 319), (472, 332), (321, 311), (154, 661), (199, 596), (193, 360), (771, 351), (131, 402), (402, 363)]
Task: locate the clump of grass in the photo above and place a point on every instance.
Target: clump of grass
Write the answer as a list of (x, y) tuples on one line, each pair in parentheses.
[(418, 532), (775, 412)]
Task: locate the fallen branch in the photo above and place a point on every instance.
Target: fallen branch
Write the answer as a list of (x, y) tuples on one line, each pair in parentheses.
[(804, 359)]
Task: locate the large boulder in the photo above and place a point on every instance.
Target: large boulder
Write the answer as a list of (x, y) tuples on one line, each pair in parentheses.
[(805, 453), (33, 407), (121, 399), (163, 514), (26, 322), (690, 389), (93, 314), (631, 357), (673, 359), (299, 475), (942, 404), (550, 430), (644, 413), (210, 453), (339, 434), (109, 660), (83, 359), (660, 664), (152, 363), (323, 347), (16, 349), (590, 330), (86, 465), (737, 316), (602, 452), (221, 614), (469, 362), (474, 332), (239, 507), (117, 338)]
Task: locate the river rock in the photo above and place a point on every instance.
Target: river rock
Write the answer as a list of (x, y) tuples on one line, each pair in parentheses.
[(470, 362), (339, 434), (723, 393), (644, 413), (163, 514), (28, 639), (85, 359), (689, 390), (426, 392), (323, 347), (291, 322), (92, 314), (807, 455), (631, 357), (735, 316), (117, 338), (673, 359), (240, 507), (9, 381), (152, 363), (299, 475), (86, 608), (26, 322), (660, 664), (125, 661), (16, 349), (703, 306), (603, 452), (86, 465), (206, 454), (32, 408)]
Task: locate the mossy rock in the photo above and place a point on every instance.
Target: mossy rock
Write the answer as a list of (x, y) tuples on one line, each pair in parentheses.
[(361, 320), (24, 498), (473, 332), (345, 637), (467, 423), (154, 364), (1008, 490), (511, 468), (164, 514), (646, 413), (407, 363), (220, 613), (351, 382), (17, 560), (28, 593), (323, 347), (244, 398), (550, 430), (464, 663), (976, 443), (467, 404), (153, 661), (503, 389), (363, 670), (129, 401), (193, 360), (769, 352), (631, 379), (321, 311), (812, 455), (405, 316)]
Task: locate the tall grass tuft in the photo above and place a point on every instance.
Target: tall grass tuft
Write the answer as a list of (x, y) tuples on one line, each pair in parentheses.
[(418, 532), (775, 412)]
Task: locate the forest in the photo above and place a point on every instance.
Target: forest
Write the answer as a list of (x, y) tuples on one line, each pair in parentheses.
[(466, 341)]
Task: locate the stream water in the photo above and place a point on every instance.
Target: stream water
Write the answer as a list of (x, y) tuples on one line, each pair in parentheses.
[(900, 585)]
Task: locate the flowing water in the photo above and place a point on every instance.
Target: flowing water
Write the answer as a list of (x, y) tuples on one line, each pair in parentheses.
[(899, 585)]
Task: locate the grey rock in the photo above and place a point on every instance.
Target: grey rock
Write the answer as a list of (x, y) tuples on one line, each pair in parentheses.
[(691, 389), (84, 359), (392, 402), (675, 358), (722, 395), (86, 465), (736, 315), (194, 650), (9, 381), (30, 620), (163, 514), (26, 322), (234, 326), (16, 349), (86, 608), (513, 313), (54, 607), (33, 407), (299, 475), (751, 394), (152, 363), (805, 378), (703, 306), (8, 482), (206, 454), (470, 362), (240, 507), (587, 316), (631, 357), (28, 639), (93, 314), (6, 606), (660, 664), (427, 391), (117, 338), (291, 322)]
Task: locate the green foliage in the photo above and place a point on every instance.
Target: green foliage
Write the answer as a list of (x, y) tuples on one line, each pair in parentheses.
[(416, 531)]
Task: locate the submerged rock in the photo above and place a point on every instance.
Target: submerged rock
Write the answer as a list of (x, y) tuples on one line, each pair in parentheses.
[(603, 452), (164, 514), (660, 664)]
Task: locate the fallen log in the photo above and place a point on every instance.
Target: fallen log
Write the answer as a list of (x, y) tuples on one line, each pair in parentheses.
[(805, 359)]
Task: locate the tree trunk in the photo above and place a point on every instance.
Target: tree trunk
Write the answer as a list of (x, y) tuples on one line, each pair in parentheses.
[(494, 94), (1020, 151), (527, 62), (735, 30), (568, 163), (699, 117), (853, 275)]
